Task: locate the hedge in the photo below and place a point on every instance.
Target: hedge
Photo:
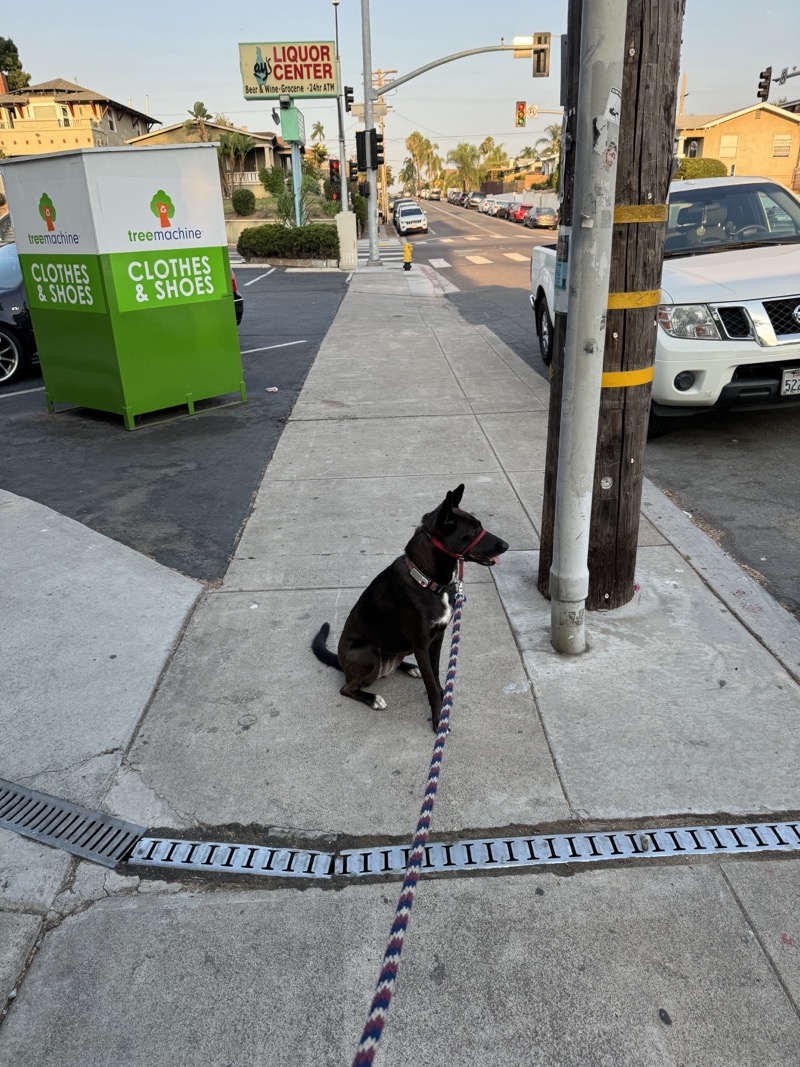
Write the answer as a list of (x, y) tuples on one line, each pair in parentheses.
[(316, 241), (243, 201), (700, 168)]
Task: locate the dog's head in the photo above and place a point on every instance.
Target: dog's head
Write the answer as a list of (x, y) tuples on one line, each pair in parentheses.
[(460, 534)]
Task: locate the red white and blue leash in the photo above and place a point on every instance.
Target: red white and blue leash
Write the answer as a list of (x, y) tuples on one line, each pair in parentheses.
[(379, 1009)]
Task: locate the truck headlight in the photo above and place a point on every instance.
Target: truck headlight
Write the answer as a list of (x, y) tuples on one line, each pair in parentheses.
[(687, 320)]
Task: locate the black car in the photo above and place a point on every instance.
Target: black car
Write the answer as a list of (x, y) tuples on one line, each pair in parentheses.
[(17, 343)]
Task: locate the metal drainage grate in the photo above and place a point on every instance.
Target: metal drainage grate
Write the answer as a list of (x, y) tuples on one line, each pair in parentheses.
[(82, 831), (535, 851), (474, 855), (232, 858)]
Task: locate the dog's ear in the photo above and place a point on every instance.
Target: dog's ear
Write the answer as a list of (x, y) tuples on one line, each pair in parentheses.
[(457, 494)]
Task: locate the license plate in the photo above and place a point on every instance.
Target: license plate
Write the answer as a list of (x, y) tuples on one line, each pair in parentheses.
[(790, 383)]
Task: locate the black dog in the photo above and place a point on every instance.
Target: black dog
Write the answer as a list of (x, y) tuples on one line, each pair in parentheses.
[(408, 606)]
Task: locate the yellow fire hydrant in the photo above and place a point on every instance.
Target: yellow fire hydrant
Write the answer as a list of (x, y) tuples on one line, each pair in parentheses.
[(407, 252)]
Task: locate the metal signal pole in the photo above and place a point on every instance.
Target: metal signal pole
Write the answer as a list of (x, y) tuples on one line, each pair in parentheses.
[(342, 156), (372, 184)]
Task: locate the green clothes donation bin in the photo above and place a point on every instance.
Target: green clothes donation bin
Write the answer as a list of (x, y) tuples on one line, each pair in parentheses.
[(125, 261)]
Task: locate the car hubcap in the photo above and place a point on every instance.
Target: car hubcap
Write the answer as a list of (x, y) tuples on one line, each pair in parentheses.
[(9, 357)]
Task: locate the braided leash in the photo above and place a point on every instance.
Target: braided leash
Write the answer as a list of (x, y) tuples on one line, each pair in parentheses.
[(379, 1009)]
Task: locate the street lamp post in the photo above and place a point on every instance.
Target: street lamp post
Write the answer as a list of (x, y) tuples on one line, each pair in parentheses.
[(343, 161)]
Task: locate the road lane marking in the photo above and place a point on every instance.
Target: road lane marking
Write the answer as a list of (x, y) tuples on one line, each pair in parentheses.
[(286, 344), (21, 392), (438, 263), (478, 259), (447, 240), (517, 256), (260, 276), (472, 237)]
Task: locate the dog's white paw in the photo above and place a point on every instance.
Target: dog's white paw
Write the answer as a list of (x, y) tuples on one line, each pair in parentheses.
[(378, 703), (414, 672)]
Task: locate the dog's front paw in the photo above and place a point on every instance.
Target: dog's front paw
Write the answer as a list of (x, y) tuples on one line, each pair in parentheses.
[(414, 672), (378, 703)]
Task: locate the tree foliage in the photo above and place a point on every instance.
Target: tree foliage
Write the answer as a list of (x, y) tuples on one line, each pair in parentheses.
[(11, 66), (197, 123)]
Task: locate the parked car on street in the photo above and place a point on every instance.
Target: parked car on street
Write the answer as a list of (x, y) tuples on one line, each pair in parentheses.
[(435, 194), (402, 201), (503, 209), (519, 211), (485, 206), (410, 218), (474, 199), (17, 343), (728, 325), (541, 218)]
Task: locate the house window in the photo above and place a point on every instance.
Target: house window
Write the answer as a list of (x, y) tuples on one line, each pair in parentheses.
[(781, 144), (65, 119), (694, 148), (728, 145), (111, 123)]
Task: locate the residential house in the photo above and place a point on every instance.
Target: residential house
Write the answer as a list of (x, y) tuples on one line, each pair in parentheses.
[(58, 116), (268, 149), (761, 140)]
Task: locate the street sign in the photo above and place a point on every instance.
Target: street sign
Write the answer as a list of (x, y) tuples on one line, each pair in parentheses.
[(523, 47), (532, 111), (379, 111)]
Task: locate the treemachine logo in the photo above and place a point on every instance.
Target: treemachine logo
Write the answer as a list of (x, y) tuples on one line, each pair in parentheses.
[(47, 209), (163, 208)]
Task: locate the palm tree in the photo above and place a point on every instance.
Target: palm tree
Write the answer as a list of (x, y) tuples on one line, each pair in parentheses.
[(408, 173), (551, 139), (242, 144), (495, 161), (415, 143), (226, 156), (466, 158), (197, 123), (528, 153), (318, 132), (486, 147)]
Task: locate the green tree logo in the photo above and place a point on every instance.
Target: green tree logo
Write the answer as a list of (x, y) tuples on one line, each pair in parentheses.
[(162, 206), (47, 210)]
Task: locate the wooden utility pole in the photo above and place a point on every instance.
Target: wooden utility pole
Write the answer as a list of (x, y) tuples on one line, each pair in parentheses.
[(647, 128)]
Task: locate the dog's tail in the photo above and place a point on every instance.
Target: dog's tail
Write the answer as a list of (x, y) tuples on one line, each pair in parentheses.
[(321, 650)]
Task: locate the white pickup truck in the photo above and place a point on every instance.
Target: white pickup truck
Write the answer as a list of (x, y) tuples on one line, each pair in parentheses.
[(728, 329)]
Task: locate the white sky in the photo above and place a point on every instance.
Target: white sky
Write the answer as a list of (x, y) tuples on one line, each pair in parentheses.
[(175, 53)]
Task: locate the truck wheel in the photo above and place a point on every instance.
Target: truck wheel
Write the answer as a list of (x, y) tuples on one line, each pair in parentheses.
[(544, 328), (657, 425)]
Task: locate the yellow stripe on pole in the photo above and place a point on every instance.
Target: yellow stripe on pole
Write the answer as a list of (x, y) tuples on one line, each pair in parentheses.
[(622, 379), (640, 213), (647, 298)]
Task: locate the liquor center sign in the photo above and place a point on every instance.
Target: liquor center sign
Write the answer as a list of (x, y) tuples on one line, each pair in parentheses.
[(290, 68)]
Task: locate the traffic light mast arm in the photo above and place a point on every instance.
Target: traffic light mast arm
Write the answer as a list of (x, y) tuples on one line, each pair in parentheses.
[(388, 86)]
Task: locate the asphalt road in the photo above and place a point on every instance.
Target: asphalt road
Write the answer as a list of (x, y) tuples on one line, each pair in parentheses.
[(735, 474), (178, 488)]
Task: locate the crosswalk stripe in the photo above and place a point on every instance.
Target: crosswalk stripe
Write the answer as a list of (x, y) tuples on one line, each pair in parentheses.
[(478, 259), (517, 256), (438, 263), (472, 238)]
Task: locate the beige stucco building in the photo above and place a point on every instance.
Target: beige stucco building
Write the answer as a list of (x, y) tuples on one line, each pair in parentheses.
[(761, 140), (58, 116), (268, 149)]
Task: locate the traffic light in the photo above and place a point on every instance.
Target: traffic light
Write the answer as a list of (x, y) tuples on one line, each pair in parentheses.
[(763, 85), (334, 171), (353, 170), (348, 97), (520, 112), (376, 149), (363, 188), (361, 149), (541, 55)]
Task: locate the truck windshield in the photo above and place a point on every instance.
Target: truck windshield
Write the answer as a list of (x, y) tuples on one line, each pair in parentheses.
[(710, 219)]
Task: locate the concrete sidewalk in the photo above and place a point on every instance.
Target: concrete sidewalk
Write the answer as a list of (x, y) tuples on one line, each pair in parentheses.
[(204, 714)]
